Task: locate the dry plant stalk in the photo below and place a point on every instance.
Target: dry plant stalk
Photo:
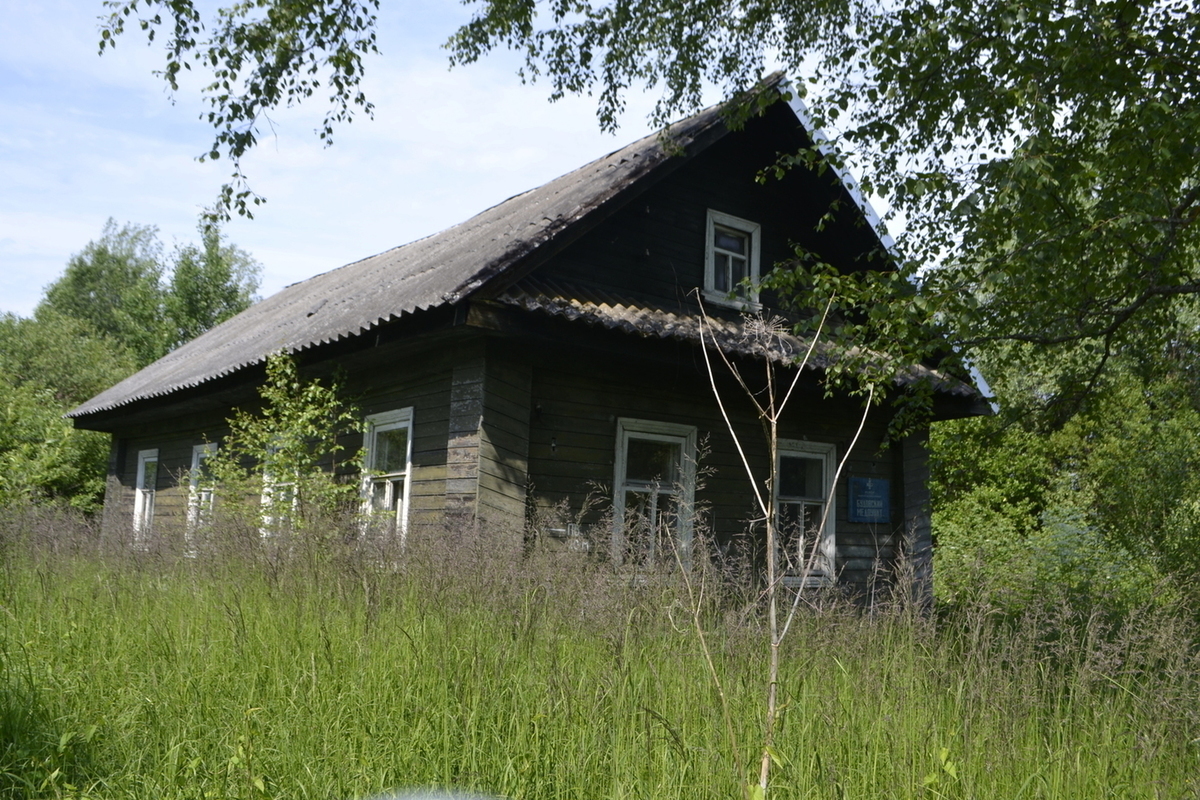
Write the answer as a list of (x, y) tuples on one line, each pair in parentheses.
[(769, 413)]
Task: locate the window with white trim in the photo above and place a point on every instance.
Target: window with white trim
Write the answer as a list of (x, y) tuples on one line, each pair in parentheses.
[(804, 492), (278, 498), (388, 475), (731, 256), (654, 485), (143, 493), (201, 490), (279, 505)]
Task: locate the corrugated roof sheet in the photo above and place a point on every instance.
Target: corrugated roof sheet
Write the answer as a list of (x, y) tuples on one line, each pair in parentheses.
[(439, 269), (747, 336)]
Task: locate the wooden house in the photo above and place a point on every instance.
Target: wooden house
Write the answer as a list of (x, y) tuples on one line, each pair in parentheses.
[(547, 350)]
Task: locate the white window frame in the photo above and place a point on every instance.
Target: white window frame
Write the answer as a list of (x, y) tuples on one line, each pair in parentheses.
[(823, 570), (651, 430), (753, 232), (376, 424), (273, 517), (200, 496), (143, 495), (274, 493)]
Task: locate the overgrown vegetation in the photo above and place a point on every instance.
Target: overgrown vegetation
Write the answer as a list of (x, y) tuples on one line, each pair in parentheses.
[(340, 670), (1096, 508), (49, 364), (282, 468)]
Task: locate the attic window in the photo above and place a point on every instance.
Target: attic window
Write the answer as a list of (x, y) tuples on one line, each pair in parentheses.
[(730, 257)]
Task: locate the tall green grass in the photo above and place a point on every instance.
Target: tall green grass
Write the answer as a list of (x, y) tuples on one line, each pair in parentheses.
[(339, 672)]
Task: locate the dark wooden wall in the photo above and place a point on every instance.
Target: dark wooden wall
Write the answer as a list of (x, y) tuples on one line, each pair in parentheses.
[(381, 379), (504, 448), (653, 248), (400, 376), (174, 439), (577, 395)]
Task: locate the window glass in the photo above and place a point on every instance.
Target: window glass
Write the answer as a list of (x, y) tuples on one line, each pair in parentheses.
[(801, 476), (386, 481), (806, 548), (143, 497), (720, 272), (652, 461), (150, 477), (737, 271), (201, 494), (386, 493), (730, 240), (391, 450), (652, 526), (799, 529), (653, 492)]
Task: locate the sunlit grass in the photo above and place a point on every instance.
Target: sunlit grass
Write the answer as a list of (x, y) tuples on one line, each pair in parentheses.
[(334, 674)]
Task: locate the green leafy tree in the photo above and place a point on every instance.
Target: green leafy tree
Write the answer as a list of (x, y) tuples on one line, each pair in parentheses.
[(114, 285), (1096, 511), (210, 283), (283, 467), (258, 56), (113, 310), (125, 289), (48, 364), (1140, 474)]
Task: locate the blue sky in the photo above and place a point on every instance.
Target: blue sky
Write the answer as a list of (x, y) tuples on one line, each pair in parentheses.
[(84, 138)]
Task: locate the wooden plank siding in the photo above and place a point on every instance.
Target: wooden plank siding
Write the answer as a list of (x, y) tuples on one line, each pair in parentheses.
[(174, 444), (396, 376), (504, 438), (423, 383)]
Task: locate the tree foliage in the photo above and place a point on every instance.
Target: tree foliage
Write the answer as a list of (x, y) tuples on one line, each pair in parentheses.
[(125, 289), (114, 286), (210, 282), (48, 364), (1098, 511)]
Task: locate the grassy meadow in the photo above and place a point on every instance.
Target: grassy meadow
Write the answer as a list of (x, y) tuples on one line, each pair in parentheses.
[(340, 671)]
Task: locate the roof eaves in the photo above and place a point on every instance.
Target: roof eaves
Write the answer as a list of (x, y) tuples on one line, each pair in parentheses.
[(732, 337)]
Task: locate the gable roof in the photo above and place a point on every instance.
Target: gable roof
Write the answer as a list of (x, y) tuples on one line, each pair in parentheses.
[(435, 271)]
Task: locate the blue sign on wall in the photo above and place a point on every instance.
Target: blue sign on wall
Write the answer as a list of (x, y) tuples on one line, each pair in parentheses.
[(870, 500)]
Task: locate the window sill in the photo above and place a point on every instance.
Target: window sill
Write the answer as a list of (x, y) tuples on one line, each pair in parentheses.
[(736, 303), (811, 582)]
